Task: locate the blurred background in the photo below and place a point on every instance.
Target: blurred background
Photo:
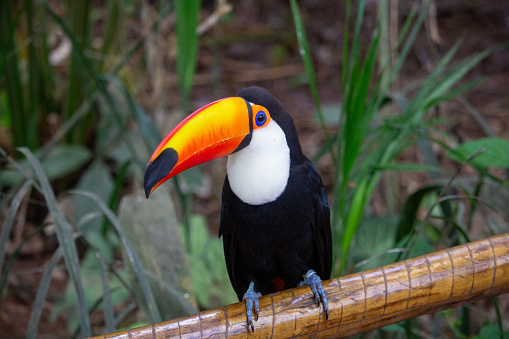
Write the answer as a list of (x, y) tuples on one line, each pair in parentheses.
[(402, 105)]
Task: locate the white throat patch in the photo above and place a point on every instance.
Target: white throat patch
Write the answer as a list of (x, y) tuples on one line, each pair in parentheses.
[(259, 173)]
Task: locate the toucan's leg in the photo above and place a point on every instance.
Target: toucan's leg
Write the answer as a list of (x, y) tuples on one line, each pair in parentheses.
[(251, 298), (314, 281)]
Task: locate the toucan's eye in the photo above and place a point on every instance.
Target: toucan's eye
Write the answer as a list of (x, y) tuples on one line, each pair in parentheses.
[(261, 118)]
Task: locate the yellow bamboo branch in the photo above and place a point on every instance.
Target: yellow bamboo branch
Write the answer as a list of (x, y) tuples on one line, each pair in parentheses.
[(358, 302)]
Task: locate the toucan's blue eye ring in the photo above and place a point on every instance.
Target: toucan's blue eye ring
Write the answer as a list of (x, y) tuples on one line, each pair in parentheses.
[(260, 118)]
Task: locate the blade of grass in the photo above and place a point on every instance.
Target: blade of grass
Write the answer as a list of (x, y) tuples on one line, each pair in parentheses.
[(27, 174), (406, 27), (418, 105), (386, 53), (453, 76), (396, 140), (133, 256), (109, 314), (358, 117), (47, 85), (34, 70), (111, 33), (9, 218), (186, 12), (356, 41), (39, 87), (116, 194), (354, 125), (473, 202), (351, 59), (308, 66), (42, 292), (65, 239), (12, 73), (456, 92), (79, 19), (356, 210), (10, 262)]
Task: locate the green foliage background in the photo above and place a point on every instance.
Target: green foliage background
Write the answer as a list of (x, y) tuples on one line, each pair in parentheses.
[(77, 131)]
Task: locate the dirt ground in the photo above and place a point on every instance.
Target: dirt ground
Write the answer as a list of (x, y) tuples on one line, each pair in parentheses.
[(258, 46)]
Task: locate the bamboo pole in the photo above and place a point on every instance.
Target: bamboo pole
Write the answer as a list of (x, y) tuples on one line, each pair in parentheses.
[(358, 302)]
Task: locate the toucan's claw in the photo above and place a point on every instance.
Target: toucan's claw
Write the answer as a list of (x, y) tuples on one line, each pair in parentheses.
[(314, 281), (251, 298)]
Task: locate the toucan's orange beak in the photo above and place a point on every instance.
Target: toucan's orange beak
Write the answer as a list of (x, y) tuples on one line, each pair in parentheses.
[(218, 129)]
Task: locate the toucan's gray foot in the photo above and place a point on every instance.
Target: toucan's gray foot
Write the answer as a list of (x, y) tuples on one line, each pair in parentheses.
[(251, 298), (314, 281)]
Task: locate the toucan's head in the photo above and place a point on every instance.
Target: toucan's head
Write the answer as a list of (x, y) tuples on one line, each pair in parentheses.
[(221, 128)]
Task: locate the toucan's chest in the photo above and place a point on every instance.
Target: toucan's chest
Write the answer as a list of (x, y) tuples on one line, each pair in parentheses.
[(259, 173)]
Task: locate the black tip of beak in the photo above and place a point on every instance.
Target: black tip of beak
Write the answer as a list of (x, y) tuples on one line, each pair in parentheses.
[(159, 168)]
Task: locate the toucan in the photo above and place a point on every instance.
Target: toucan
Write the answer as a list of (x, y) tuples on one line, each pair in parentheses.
[(275, 217)]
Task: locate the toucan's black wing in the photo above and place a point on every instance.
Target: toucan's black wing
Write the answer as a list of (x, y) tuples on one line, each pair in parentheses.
[(321, 229), (227, 231)]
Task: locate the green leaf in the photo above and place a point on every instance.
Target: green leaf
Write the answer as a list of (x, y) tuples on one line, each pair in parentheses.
[(490, 331), (59, 162), (495, 153), (409, 214), (208, 269), (394, 328), (186, 13)]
